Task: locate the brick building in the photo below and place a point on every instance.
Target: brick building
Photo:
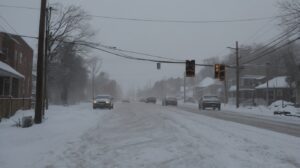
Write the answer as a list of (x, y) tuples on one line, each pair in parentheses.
[(16, 58)]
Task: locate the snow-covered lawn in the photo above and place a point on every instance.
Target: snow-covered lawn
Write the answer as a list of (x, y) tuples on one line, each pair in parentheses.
[(25, 147), (135, 135)]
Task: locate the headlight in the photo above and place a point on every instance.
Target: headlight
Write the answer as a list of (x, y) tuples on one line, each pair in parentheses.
[(107, 102), (95, 101)]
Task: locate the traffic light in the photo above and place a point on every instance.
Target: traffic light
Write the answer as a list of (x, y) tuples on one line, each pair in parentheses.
[(190, 68), (158, 65), (217, 71), (220, 72)]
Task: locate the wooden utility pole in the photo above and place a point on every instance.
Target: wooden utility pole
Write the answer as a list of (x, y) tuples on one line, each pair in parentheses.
[(237, 75), (39, 108), (184, 85)]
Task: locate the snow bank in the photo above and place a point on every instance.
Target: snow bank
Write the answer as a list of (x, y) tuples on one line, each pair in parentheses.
[(20, 147)]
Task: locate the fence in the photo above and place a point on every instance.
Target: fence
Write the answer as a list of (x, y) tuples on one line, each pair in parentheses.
[(9, 106)]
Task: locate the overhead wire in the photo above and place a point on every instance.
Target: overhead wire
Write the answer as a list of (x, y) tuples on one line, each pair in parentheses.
[(18, 7), (269, 52), (140, 53), (11, 27), (253, 19), (184, 21)]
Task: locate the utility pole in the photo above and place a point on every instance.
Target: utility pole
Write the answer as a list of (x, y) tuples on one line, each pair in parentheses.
[(267, 76), (237, 75), (184, 85), (225, 89), (39, 109), (47, 52)]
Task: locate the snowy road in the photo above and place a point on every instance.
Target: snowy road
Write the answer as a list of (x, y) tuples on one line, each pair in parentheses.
[(274, 123), (135, 135)]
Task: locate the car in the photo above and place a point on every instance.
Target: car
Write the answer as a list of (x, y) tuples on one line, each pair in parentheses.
[(169, 101), (151, 100), (190, 100), (142, 100), (126, 101), (103, 101), (210, 102)]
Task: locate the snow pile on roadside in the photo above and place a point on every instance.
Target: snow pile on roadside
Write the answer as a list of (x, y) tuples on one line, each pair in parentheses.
[(284, 106), (21, 146), (263, 110)]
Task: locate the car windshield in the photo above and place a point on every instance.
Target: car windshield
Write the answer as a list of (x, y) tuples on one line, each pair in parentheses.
[(149, 83), (210, 98), (103, 97)]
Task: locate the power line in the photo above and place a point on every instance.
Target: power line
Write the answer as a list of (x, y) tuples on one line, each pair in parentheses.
[(275, 49), (137, 58), (18, 7), (185, 21), (8, 24), (139, 53), (162, 20), (279, 37), (261, 30)]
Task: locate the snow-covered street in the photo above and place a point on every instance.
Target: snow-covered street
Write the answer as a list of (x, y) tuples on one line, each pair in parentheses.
[(142, 135)]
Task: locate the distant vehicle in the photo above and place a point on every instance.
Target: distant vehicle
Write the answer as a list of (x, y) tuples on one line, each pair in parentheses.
[(210, 102), (190, 100), (142, 100), (103, 101), (151, 100), (169, 101), (126, 101)]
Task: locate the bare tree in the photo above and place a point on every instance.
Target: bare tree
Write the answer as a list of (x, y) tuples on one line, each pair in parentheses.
[(68, 24), (67, 73), (94, 65), (290, 11)]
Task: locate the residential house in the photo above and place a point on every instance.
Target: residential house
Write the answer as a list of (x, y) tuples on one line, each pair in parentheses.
[(16, 58), (247, 89), (209, 86), (274, 89)]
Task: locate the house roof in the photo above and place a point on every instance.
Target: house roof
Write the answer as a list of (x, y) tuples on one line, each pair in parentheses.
[(277, 82), (17, 39), (208, 82), (6, 70), (233, 89), (258, 77)]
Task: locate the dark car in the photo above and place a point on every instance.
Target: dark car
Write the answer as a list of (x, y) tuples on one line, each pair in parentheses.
[(103, 101), (126, 101), (169, 101), (210, 102), (151, 100), (190, 100)]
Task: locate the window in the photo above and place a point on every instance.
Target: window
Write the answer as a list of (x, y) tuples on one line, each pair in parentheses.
[(6, 86), (16, 58), (20, 57), (1, 86), (3, 53)]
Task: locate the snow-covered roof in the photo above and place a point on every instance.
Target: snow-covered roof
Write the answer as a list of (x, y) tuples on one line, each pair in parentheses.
[(207, 82), (232, 88), (258, 77), (6, 70), (278, 82)]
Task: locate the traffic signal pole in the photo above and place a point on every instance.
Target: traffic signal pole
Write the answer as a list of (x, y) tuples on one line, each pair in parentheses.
[(237, 75), (39, 108)]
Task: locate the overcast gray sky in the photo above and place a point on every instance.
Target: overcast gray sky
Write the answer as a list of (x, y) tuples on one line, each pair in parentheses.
[(174, 40)]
